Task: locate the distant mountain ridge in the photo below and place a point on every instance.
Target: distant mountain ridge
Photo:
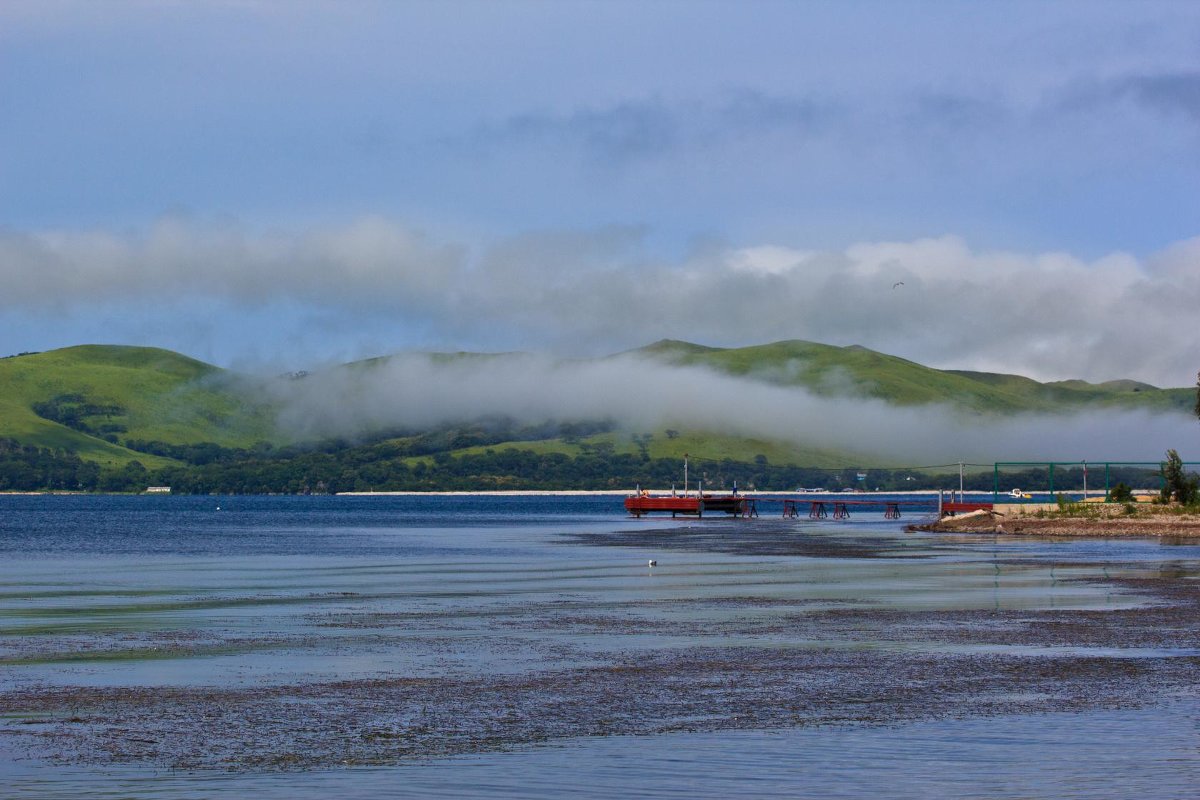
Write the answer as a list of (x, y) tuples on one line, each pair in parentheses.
[(107, 402)]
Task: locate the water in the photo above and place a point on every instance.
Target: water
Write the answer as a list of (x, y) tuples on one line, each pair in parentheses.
[(174, 647), (1058, 756)]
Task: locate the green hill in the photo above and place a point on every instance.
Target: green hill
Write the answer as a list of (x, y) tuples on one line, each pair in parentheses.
[(701, 446), (105, 403), (93, 398), (828, 371), (858, 372)]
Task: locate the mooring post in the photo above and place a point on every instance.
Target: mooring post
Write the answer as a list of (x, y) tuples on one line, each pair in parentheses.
[(940, 493)]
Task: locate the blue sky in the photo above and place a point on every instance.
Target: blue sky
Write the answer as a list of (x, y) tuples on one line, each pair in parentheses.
[(289, 182)]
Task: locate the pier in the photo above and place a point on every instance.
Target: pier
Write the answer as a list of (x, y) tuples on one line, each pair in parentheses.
[(747, 506)]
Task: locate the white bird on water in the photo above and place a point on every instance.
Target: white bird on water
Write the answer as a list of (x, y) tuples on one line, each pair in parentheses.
[(653, 563)]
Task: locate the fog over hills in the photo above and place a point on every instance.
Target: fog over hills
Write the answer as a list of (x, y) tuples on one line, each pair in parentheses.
[(803, 398), (848, 399)]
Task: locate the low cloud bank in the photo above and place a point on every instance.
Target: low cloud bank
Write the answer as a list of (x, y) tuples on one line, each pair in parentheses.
[(936, 301), (418, 392)]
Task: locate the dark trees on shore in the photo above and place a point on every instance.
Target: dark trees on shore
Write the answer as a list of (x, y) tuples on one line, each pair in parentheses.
[(1177, 484)]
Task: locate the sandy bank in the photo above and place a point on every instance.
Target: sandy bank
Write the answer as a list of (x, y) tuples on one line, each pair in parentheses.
[(1104, 522)]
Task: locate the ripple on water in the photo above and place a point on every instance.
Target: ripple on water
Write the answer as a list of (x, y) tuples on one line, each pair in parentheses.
[(279, 604), (1144, 753)]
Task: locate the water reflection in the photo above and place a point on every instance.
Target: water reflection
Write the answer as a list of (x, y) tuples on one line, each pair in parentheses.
[(549, 627)]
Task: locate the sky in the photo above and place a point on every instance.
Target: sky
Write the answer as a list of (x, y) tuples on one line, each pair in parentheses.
[(1008, 186)]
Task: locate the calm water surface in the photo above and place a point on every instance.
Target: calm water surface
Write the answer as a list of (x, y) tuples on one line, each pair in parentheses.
[(245, 594)]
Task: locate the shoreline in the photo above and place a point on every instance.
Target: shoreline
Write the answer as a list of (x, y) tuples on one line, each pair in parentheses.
[(503, 493), (1110, 522), (626, 492)]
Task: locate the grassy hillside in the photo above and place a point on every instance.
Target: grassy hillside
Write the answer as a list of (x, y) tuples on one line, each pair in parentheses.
[(94, 394), (858, 372), (93, 399), (700, 446)]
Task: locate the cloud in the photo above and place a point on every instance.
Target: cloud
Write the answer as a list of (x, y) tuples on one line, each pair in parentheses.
[(655, 127), (626, 130), (1167, 95), (355, 265), (418, 392), (1173, 93), (1048, 315), (909, 128)]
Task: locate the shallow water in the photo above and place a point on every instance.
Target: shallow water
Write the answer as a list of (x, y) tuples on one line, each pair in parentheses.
[(1056, 755), (117, 614)]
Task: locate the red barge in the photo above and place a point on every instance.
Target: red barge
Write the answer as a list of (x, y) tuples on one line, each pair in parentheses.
[(642, 502), (694, 505)]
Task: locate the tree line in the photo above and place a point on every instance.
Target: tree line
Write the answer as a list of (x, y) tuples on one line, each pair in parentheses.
[(389, 466)]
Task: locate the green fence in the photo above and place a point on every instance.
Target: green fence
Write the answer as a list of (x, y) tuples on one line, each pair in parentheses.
[(1065, 476)]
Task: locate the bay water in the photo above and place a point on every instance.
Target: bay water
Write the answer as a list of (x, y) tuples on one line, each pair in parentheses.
[(118, 612)]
